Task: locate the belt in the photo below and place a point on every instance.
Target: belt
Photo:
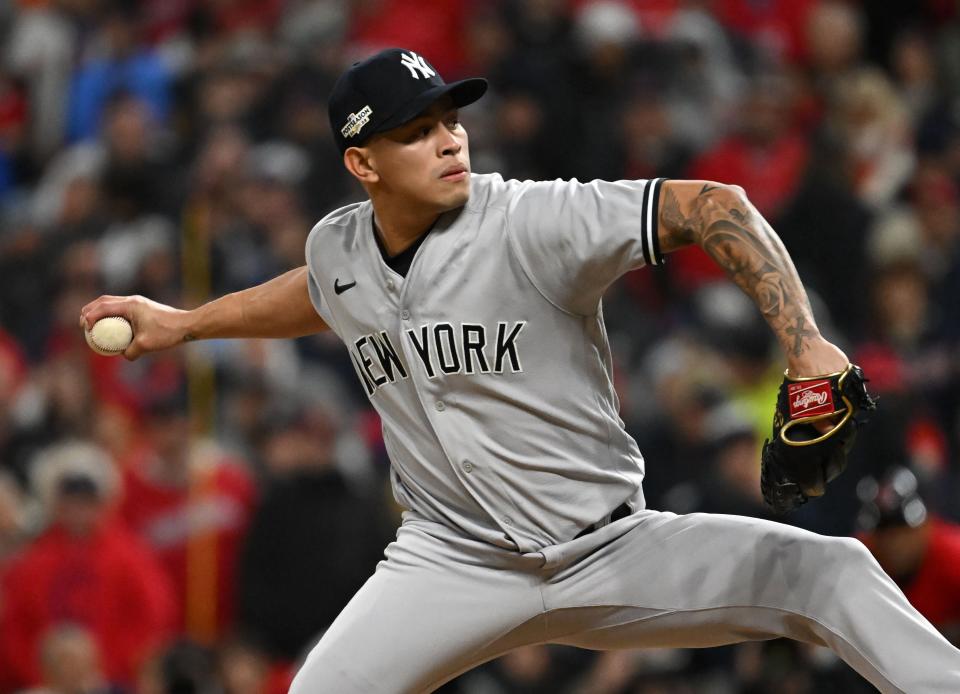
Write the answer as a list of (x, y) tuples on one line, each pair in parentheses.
[(621, 511)]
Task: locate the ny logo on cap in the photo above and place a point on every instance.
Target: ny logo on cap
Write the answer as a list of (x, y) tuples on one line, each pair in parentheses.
[(414, 62)]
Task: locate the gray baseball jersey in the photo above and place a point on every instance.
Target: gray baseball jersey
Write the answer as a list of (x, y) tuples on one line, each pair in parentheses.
[(488, 363), (489, 366)]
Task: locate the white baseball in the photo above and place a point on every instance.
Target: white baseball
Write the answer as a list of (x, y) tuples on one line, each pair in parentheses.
[(110, 335)]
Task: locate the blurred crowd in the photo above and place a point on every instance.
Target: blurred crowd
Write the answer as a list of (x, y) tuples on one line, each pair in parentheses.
[(192, 521)]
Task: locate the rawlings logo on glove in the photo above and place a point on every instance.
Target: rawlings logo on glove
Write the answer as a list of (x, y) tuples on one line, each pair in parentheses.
[(806, 400), (801, 460)]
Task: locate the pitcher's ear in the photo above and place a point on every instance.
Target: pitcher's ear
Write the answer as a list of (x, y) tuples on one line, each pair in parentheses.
[(359, 162)]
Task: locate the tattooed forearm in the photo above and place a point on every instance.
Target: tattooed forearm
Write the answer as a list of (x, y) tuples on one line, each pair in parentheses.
[(798, 332), (681, 229), (723, 222)]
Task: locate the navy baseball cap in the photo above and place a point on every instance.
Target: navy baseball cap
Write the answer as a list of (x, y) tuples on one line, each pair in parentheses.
[(387, 90)]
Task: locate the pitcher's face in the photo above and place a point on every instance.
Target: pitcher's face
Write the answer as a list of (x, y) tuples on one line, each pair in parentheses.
[(426, 160)]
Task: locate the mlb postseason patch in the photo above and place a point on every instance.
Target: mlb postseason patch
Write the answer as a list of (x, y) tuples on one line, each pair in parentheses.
[(810, 398), (356, 121)]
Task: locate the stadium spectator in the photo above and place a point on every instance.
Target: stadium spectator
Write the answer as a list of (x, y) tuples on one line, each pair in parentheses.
[(191, 503), (765, 155), (84, 569), (731, 479), (868, 115), (119, 62), (832, 38), (778, 28), (920, 551), (435, 26), (40, 49), (14, 375), (914, 67), (528, 670), (314, 540), (181, 666), (650, 147), (70, 662), (246, 669)]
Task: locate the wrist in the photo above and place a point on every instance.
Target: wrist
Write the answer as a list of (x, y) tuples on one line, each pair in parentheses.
[(800, 350), (819, 357), (186, 325)]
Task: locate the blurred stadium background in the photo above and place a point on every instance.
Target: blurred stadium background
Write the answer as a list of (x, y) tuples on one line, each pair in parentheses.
[(192, 521)]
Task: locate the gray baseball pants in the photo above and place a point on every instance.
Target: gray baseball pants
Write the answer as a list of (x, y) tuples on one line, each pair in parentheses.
[(442, 603)]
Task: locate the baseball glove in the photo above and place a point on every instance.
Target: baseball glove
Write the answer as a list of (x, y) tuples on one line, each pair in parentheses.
[(800, 460)]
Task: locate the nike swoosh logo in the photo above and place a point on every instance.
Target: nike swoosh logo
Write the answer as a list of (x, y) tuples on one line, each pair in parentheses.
[(341, 288)]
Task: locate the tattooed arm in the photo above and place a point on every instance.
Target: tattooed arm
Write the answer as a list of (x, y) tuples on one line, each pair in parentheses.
[(721, 220), (278, 308)]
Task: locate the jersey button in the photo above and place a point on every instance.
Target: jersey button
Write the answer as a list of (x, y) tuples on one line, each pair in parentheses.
[(405, 314), (507, 520), (441, 406), (390, 285), (467, 466)]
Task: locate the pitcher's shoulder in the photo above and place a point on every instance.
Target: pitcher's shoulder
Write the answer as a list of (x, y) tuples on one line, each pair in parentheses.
[(491, 190), (341, 224)]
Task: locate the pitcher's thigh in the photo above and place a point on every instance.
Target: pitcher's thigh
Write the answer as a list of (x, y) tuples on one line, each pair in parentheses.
[(702, 580), (410, 628), (702, 561)]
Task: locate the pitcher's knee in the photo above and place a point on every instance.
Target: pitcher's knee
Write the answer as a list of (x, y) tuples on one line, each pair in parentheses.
[(849, 552), (829, 554)]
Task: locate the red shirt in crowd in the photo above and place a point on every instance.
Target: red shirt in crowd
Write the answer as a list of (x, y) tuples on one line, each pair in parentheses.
[(434, 28), (108, 583), (770, 176), (779, 26), (196, 531), (935, 589)]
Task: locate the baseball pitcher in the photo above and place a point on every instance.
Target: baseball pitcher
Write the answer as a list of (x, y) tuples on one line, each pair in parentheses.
[(471, 309)]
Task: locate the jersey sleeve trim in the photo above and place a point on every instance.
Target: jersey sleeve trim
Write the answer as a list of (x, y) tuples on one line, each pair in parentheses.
[(650, 222)]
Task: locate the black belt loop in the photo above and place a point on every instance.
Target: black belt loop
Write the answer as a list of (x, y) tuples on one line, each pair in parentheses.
[(621, 511)]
